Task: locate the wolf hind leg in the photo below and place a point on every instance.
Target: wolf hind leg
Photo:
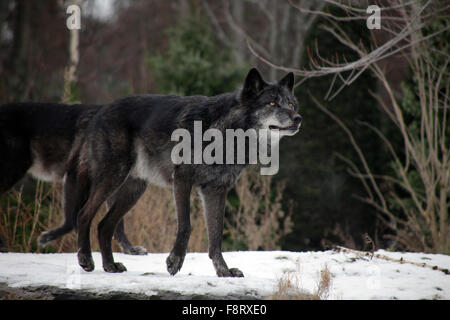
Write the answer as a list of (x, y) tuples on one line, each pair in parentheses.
[(214, 206), (182, 192), (100, 191), (48, 236), (120, 234), (125, 244), (74, 199), (124, 199)]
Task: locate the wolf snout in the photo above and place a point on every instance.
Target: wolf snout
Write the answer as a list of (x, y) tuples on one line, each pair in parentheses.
[(297, 119)]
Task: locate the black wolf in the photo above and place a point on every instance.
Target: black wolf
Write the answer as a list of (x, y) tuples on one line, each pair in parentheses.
[(40, 138), (128, 145)]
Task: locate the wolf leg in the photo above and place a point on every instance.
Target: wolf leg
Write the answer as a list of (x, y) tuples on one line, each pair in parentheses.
[(50, 235), (182, 192), (120, 235), (99, 193), (214, 206), (74, 199), (125, 244), (125, 198)]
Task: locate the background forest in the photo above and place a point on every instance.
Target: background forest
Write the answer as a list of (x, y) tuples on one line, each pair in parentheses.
[(371, 160)]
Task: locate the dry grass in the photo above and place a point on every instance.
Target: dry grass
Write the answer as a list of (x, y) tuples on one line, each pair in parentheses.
[(289, 286), (324, 284), (259, 220), (22, 221)]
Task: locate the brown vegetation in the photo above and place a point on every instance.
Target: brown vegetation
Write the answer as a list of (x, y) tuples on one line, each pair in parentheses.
[(289, 286)]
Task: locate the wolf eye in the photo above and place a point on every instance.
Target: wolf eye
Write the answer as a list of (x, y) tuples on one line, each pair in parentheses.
[(272, 103), (291, 105)]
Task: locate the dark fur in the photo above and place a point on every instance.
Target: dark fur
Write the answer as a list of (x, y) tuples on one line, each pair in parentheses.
[(40, 138), (128, 144)]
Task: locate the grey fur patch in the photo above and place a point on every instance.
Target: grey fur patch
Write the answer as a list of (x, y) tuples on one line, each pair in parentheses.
[(146, 169)]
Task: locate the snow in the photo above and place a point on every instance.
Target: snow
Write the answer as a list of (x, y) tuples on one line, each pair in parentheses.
[(353, 277)]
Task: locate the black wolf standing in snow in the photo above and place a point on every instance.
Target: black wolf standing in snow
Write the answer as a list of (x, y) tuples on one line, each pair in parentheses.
[(40, 138), (128, 145)]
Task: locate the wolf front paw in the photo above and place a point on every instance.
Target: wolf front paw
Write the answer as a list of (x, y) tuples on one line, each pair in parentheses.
[(232, 272), (174, 263), (86, 262), (115, 267)]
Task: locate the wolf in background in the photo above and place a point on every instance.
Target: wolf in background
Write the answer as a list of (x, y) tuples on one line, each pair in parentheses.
[(40, 138), (128, 145)]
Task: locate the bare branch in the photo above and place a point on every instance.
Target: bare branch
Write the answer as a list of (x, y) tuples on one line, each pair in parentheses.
[(220, 33), (355, 146)]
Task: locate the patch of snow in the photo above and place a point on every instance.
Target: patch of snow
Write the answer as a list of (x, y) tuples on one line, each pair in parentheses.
[(353, 277)]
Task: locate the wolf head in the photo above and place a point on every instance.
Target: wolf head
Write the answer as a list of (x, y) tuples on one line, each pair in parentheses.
[(273, 106)]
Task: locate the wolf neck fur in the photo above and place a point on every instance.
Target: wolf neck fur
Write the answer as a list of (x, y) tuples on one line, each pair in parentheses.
[(224, 111)]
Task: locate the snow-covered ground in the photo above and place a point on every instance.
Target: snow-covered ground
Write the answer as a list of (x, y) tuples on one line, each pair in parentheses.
[(353, 277)]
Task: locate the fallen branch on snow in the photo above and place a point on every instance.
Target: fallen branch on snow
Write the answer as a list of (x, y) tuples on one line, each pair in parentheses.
[(384, 257)]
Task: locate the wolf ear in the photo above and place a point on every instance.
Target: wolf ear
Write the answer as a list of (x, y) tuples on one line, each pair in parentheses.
[(287, 81), (253, 84)]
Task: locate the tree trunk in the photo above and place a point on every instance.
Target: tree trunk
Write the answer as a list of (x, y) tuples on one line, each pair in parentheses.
[(70, 77)]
